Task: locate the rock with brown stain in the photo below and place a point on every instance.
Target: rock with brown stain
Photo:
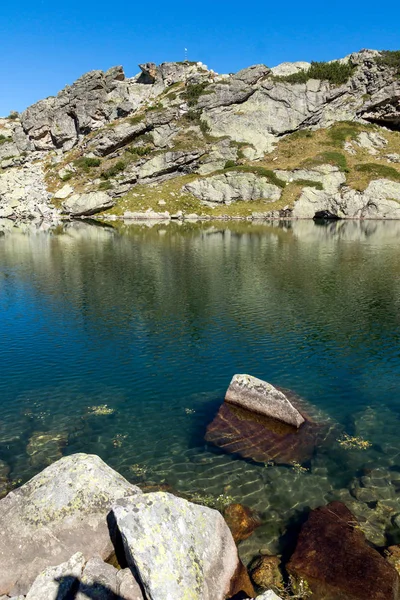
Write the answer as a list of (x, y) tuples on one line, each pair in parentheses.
[(241, 520), (333, 560)]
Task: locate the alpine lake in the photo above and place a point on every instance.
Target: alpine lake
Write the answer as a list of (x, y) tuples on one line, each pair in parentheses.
[(121, 340)]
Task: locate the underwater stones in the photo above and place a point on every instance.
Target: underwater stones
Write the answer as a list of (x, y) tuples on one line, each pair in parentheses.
[(61, 511), (45, 447), (265, 572), (262, 439), (334, 560), (262, 398), (176, 546), (241, 520)]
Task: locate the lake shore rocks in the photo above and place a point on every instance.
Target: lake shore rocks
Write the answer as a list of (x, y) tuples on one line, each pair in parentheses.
[(333, 560), (176, 546), (58, 531), (61, 511)]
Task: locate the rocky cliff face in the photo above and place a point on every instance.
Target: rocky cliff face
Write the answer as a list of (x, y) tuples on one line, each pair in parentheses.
[(222, 139)]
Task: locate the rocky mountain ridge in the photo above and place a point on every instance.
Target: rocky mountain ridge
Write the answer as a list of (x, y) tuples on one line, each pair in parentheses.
[(287, 141)]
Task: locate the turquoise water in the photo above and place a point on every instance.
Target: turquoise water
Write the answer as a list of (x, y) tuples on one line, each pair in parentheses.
[(154, 321)]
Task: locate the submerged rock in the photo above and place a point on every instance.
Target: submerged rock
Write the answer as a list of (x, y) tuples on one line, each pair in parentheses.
[(241, 520), (59, 512), (265, 572), (263, 439), (334, 560), (45, 447), (176, 546), (262, 398)]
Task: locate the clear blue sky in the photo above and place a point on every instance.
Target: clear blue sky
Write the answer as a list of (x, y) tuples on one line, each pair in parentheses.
[(46, 44)]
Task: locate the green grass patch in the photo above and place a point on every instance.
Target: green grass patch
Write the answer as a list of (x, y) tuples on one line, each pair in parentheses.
[(391, 59), (375, 171), (341, 132), (66, 177), (114, 170), (136, 120), (309, 183), (85, 163), (139, 150), (331, 158), (261, 171), (229, 164), (193, 91), (301, 134), (105, 185), (335, 72), (3, 139)]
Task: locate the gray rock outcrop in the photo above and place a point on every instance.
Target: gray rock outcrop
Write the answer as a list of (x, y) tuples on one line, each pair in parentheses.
[(233, 185), (87, 204), (261, 397), (176, 547), (61, 511), (380, 200)]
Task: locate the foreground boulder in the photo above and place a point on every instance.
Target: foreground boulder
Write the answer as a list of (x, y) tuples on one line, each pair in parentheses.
[(59, 512), (262, 398), (178, 549), (333, 558), (80, 205)]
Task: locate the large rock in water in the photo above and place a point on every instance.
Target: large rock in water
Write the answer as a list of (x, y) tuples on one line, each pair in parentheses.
[(262, 398), (333, 557), (239, 431), (61, 511), (180, 550), (87, 204)]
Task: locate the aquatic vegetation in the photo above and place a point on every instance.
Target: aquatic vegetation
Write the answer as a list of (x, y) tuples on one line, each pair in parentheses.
[(298, 468), (118, 440), (353, 443), (100, 410), (139, 470)]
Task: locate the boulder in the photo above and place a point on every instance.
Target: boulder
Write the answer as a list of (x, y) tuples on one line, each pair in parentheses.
[(63, 192), (260, 397), (60, 582), (128, 587), (111, 138), (265, 572), (88, 204), (260, 438), (176, 546), (233, 185), (334, 560), (241, 520), (61, 511)]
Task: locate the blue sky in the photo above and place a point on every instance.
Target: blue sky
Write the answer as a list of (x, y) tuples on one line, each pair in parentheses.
[(45, 45)]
